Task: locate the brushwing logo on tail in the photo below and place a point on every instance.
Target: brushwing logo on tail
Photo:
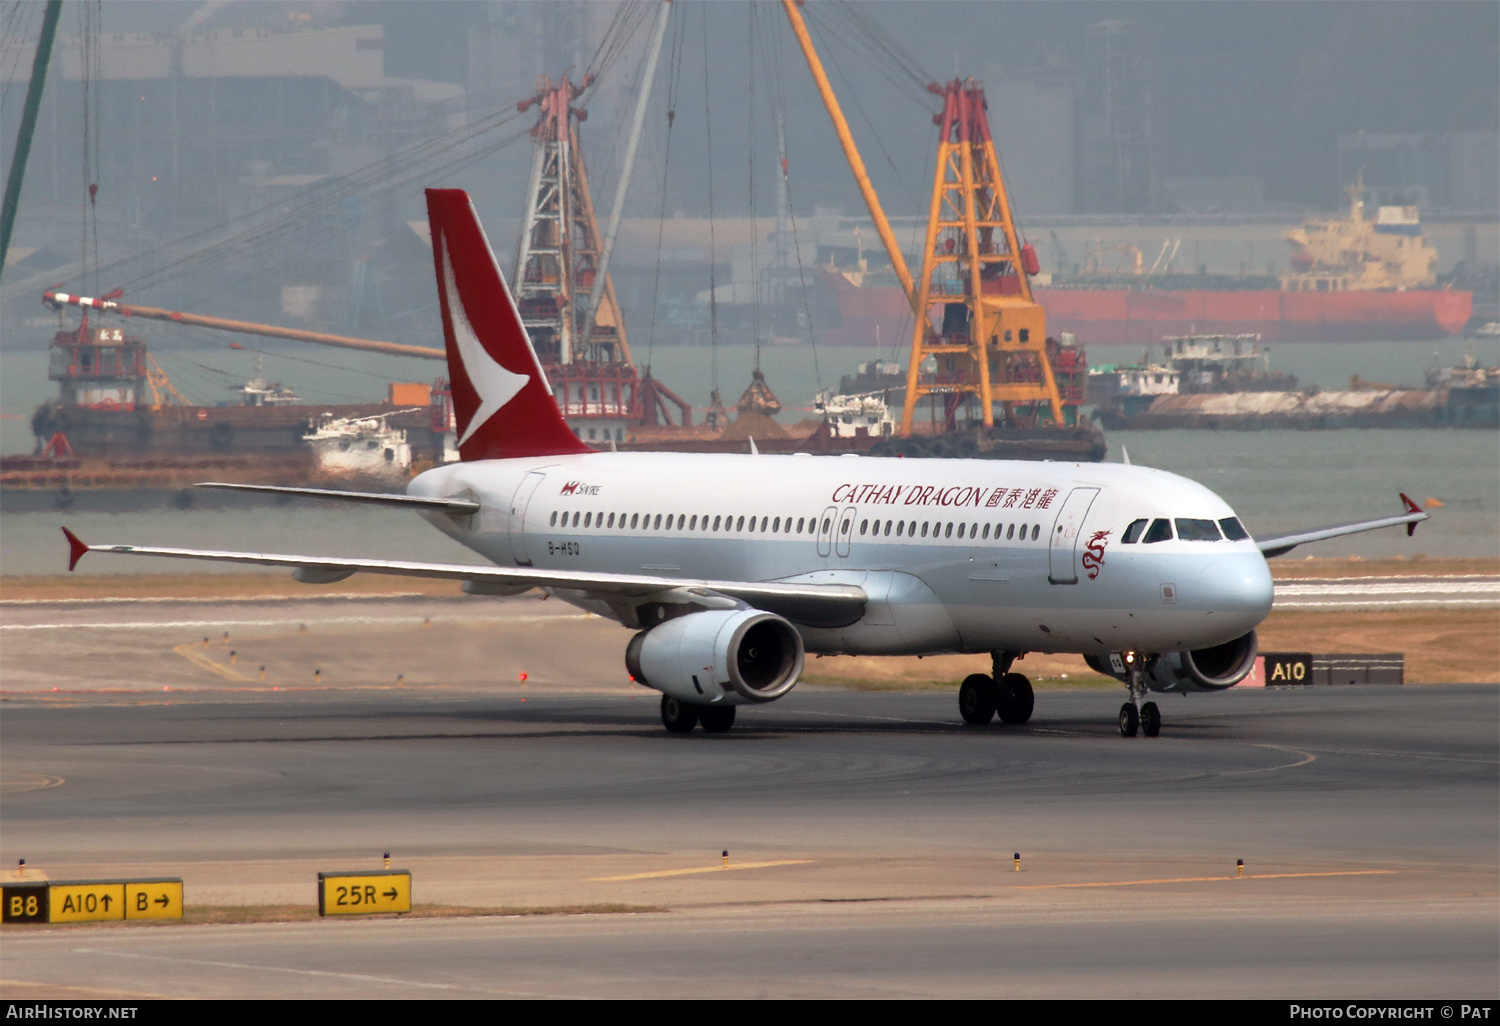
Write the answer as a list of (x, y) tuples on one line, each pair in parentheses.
[(496, 385)]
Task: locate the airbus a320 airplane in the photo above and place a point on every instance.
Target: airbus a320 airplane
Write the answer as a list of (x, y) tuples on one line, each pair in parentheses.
[(731, 567)]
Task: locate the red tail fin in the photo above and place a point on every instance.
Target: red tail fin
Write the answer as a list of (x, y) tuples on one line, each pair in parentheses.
[(502, 403)]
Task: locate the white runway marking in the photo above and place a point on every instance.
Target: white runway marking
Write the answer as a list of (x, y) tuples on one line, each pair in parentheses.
[(1389, 592)]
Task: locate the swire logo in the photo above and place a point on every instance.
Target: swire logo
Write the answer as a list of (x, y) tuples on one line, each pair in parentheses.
[(579, 488)]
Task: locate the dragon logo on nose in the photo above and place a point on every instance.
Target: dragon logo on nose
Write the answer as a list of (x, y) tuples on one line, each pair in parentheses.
[(1093, 555)]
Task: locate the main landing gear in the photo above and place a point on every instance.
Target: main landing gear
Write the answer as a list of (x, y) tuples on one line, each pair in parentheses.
[(681, 717), (1136, 716), (981, 696)]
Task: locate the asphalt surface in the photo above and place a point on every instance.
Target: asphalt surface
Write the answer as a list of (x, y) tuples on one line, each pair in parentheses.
[(871, 835)]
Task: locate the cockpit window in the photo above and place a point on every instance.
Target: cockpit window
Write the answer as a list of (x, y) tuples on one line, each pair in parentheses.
[(1161, 530), (1233, 529), (1197, 530), (1133, 532)]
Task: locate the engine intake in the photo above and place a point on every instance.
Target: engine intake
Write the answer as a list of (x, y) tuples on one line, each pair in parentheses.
[(730, 656), (1201, 669)]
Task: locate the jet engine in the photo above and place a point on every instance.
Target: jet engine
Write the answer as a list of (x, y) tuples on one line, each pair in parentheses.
[(727, 656), (1201, 669)]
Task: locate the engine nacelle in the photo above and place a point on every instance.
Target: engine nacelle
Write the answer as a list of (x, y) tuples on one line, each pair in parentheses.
[(1202, 669), (727, 656)]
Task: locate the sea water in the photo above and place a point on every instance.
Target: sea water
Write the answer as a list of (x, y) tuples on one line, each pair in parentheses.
[(1276, 480)]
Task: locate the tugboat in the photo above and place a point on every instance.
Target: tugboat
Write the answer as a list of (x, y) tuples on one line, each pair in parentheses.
[(360, 449)]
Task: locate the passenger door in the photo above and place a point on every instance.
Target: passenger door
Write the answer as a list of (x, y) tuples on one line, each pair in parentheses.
[(1062, 565), (518, 504)]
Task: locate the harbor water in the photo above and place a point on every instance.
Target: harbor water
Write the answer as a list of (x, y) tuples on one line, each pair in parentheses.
[(1276, 480)]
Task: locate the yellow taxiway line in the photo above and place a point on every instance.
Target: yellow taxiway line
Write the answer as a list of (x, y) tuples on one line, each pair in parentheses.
[(700, 869), (1203, 879)]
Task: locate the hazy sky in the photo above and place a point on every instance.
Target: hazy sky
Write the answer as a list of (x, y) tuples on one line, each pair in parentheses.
[(1257, 87)]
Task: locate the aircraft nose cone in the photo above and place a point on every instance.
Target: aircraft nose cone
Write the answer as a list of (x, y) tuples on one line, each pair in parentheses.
[(1237, 585)]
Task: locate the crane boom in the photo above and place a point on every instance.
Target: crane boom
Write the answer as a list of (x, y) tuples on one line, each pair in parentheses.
[(57, 300), (851, 153)]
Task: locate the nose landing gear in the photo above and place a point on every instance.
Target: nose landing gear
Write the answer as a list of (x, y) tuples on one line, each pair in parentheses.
[(1136, 716)]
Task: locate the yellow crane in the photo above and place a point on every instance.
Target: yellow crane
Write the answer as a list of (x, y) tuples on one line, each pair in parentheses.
[(992, 345)]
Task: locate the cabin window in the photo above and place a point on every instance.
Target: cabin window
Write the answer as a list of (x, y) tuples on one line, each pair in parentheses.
[(763, 522), (634, 519), (553, 522), (588, 519), (1233, 529), (576, 518), (1161, 530), (1197, 530), (657, 526), (799, 525), (1134, 531), (740, 526), (863, 524), (924, 529), (1036, 529), (827, 523), (776, 526), (949, 532), (1011, 533), (693, 524), (716, 522), (974, 530), (986, 534), (846, 525), (887, 531)]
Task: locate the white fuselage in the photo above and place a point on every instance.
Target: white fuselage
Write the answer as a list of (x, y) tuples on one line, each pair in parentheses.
[(955, 555)]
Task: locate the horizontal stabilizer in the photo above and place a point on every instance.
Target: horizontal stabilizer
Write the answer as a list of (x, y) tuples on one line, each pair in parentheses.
[(370, 498)]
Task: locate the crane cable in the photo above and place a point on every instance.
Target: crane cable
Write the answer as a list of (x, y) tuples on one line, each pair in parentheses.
[(713, 298), (674, 80)]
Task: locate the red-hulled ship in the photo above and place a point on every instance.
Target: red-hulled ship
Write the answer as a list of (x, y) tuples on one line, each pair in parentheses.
[(1350, 280)]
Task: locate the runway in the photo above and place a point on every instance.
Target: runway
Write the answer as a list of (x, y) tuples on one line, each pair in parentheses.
[(1474, 591), (871, 835)]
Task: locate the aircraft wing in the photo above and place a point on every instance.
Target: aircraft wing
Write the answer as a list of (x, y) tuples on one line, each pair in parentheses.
[(369, 498), (807, 603), (1280, 544)]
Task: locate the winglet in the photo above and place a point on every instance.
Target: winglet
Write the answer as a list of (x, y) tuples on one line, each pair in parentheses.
[(76, 548), (1411, 507)]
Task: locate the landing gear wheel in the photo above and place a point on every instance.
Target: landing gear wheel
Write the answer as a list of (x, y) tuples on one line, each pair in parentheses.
[(1150, 719), (678, 716), (716, 719), (1016, 699), (1130, 720), (976, 699)]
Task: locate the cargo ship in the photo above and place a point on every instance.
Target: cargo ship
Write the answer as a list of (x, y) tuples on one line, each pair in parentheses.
[(1350, 279), (1185, 395)]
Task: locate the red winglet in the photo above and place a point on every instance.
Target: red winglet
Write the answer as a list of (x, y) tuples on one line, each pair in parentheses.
[(1411, 507), (77, 547)]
